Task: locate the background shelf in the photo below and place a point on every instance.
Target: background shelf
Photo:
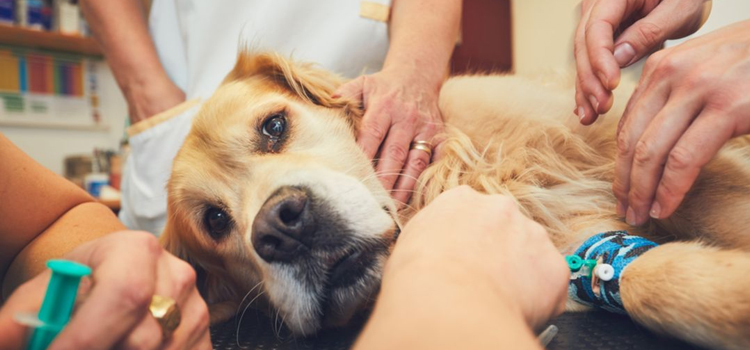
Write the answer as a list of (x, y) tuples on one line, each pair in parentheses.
[(15, 36)]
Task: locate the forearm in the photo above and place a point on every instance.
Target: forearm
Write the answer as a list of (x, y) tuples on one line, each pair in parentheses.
[(120, 28), (416, 311), (82, 223), (423, 35)]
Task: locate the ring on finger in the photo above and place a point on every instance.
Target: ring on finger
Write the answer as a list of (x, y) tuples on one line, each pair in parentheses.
[(166, 312), (425, 146)]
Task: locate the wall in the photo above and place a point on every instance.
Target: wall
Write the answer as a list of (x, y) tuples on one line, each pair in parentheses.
[(50, 146), (723, 12), (543, 32)]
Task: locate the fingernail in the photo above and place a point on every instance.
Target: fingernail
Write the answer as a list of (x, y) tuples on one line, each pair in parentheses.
[(336, 95), (655, 210), (594, 103), (624, 53), (581, 113), (630, 217), (603, 79), (620, 209)]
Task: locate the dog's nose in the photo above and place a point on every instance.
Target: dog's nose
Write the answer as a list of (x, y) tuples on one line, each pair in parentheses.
[(283, 225)]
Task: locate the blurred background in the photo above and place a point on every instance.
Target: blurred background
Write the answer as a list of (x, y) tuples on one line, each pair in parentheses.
[(61, 105)]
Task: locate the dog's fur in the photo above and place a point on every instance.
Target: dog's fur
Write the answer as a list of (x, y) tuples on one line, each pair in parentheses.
[(506, 134)]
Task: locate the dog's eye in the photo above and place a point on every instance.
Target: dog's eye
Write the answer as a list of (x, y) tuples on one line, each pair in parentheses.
[(274, 126), (217, 222)]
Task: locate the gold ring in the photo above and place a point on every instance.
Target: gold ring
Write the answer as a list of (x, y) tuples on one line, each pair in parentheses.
[(166, 312), (422, 146)]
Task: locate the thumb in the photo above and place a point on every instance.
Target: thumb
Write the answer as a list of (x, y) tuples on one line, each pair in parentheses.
[(669, 20)]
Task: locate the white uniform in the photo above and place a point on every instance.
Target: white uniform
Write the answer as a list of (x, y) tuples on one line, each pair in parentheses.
[(197, 42)]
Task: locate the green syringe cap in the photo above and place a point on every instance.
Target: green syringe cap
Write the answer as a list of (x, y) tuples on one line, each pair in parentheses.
[(68, 268), (58, 301)]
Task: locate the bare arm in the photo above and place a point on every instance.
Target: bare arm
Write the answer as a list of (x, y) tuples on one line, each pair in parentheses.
[(452, 311), (120, 28), (42, 216), (469, 271), (423, 35)]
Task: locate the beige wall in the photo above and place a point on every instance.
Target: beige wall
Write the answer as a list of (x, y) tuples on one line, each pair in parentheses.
[(543, 32)]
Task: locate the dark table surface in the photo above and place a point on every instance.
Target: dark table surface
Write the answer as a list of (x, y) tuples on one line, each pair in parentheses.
[(587, 330)]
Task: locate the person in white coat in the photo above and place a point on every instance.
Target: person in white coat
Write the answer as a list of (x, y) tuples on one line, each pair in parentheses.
[(399, 50)]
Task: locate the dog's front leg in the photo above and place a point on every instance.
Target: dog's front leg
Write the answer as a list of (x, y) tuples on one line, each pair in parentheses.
[(690, 291)]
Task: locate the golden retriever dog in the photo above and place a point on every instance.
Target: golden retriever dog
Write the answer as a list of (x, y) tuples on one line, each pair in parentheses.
[(273, 202)]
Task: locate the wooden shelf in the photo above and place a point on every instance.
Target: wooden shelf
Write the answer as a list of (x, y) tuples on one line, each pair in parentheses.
[(52, 125), (15, 36)]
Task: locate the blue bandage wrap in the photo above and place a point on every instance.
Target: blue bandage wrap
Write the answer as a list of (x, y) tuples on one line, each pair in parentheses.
[(615, 248)]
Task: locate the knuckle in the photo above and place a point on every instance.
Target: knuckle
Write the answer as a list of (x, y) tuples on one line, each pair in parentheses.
[(374, 130), (135, 295), (147, 241), (79, 340), (185, 277), (638, 197), (202, 317), (619, 189), (537, 230), (668, 65), (624, 147), (150, 339), (649, 34), (680, 159), (463, 189), (579, 49), (699, 78), (668, 191), (653, 61), (644, 153), (506, 204), (418, 164), (397, 151)]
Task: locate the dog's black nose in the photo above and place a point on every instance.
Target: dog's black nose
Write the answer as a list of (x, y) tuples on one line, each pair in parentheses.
[(284, 225)]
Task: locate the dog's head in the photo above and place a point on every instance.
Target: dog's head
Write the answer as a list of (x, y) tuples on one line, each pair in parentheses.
[(271, 196)]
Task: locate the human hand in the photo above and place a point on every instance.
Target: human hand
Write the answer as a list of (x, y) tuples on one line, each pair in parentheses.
[(401, 107), (614, 34), (128, 269), (149, 99), (692, 98), (481, 239)]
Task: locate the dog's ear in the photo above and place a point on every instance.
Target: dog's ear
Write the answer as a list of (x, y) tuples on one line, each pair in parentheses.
[(303, 80)]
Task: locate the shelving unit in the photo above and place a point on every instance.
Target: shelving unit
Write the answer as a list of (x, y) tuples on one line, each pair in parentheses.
[(33, 39)]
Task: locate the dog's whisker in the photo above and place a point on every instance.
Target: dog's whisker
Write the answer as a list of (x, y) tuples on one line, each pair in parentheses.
[(243, 299), (239, 323)]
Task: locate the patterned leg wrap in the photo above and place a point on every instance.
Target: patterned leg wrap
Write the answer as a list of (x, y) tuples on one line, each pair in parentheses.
[(610, 253)]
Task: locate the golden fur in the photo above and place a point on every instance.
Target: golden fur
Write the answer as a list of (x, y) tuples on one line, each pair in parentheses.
[(506, 134)]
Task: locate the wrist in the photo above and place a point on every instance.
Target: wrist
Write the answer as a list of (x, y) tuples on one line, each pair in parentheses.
[(149, 96), (413, 70), (426, 270), (428, 309)]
